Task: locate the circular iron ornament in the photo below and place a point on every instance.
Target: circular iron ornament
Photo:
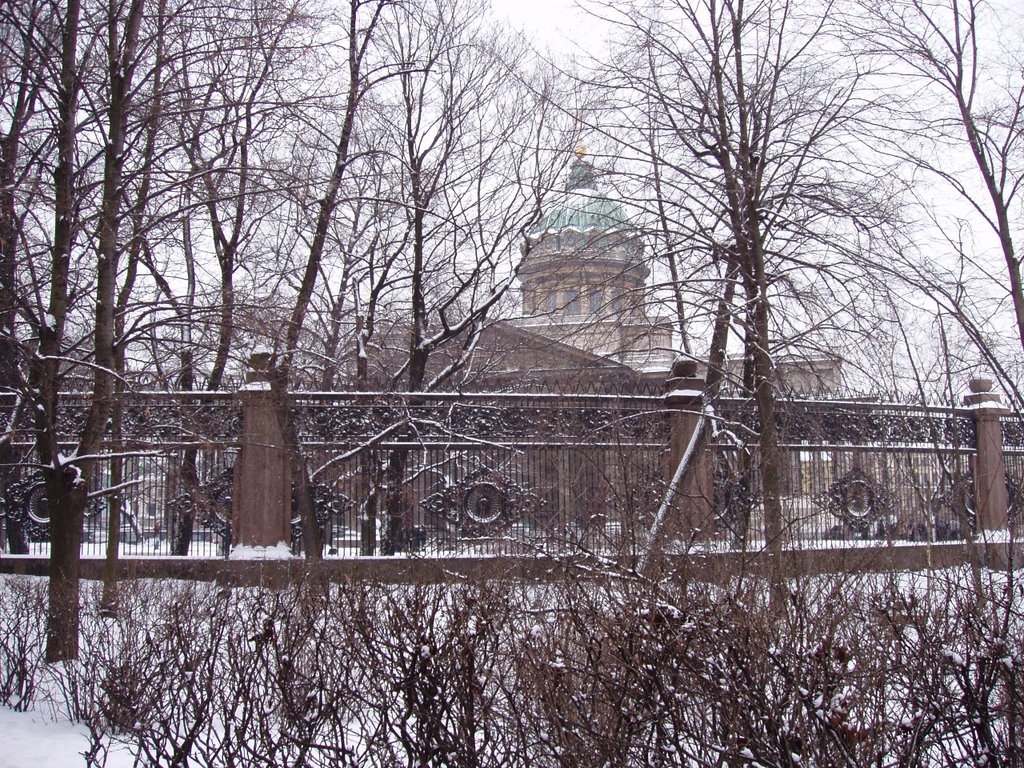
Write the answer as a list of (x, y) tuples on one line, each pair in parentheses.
[(26, 508), (1013, 493), (328, 505), (218, 491), (959, 498), (857, 500), (37, 505), (483, 502), (484, 505)]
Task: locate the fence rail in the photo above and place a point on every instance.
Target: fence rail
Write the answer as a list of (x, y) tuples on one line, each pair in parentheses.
[(481, 473), (485, 473)]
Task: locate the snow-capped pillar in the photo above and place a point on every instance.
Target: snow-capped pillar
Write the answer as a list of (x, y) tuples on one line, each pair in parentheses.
[(991, 499), (689, 466), (261, 498)]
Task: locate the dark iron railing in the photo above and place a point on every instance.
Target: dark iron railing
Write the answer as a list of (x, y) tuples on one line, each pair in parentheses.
[(850, 471), (481, 473), (487, 473)]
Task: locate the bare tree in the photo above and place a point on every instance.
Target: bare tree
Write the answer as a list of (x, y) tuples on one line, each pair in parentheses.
[(468, 176), (361, 25), (433, 174), (957, 64), (234, 98), (738, 121), (107, 214), (26, 34)]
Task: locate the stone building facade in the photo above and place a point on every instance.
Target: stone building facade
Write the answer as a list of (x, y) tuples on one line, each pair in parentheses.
[(584, 280)]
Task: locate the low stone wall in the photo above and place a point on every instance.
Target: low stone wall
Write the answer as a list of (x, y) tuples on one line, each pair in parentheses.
[(711, 566)]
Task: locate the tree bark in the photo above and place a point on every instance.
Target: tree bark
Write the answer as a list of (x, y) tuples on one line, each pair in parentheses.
[(67, 500)]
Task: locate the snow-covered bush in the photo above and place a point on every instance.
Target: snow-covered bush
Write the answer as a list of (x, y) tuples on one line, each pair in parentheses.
[(610, 669)]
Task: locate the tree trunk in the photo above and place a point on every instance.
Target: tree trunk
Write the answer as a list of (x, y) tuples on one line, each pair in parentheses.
[(769, 455), (358, 39), (66, 500), (109, 598), (394, 503), (105, 393), (370, 474), (716, 373)]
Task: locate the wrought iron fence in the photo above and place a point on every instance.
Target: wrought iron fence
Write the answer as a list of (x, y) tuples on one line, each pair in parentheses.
[(479, 473), (850, 471), (485, 473), (170, 448)]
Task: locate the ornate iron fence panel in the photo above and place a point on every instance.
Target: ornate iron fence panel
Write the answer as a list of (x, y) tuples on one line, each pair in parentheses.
[(481, 473), (1014, 456), (1013, 432), (487, 473), (849, 471), (826, 422)]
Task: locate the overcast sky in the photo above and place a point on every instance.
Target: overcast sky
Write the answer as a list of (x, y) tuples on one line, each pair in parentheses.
[(556, 24)]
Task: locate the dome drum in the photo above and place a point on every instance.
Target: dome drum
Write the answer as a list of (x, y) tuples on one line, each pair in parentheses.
[(583, 277)]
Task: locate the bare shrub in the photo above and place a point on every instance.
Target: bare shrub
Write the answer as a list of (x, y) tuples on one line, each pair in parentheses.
[(22, 601), (160, 669), (286, 690), (604, 669), (431, 659), (680, 673), (954, 670)]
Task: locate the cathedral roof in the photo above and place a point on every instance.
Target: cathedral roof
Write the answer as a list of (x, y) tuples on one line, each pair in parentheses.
[(581, 207)]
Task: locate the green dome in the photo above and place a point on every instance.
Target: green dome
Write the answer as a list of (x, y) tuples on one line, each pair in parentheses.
[(582, 208)]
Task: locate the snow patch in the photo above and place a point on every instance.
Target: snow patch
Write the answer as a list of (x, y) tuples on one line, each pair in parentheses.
[(280, 551), (32, 739), (256, 386), (690, 393), (985, 406)]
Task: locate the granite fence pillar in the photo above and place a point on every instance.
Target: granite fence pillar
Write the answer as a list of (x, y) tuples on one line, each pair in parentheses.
[(693, 497), (261, 498), (991, 499)]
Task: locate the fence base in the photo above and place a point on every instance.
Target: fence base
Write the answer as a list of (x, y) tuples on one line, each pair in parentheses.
[(402, 570)]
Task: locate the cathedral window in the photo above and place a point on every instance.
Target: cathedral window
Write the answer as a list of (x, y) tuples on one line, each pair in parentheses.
[(615, 301), (572, 302)]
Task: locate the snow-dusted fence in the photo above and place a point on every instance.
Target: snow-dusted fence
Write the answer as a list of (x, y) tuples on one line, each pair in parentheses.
[(171, 468), (870, 471), (482, 473), (506, 474)]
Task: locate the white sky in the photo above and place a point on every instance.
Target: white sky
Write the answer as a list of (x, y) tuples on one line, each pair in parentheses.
[(556, 24)]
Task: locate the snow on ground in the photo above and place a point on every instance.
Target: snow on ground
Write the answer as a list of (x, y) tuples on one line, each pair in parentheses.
[(280, 552), (37, 740)]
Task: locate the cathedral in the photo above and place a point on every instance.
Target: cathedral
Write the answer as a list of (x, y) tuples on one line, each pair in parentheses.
[(585, 322), (585, 299), (584, 279)]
